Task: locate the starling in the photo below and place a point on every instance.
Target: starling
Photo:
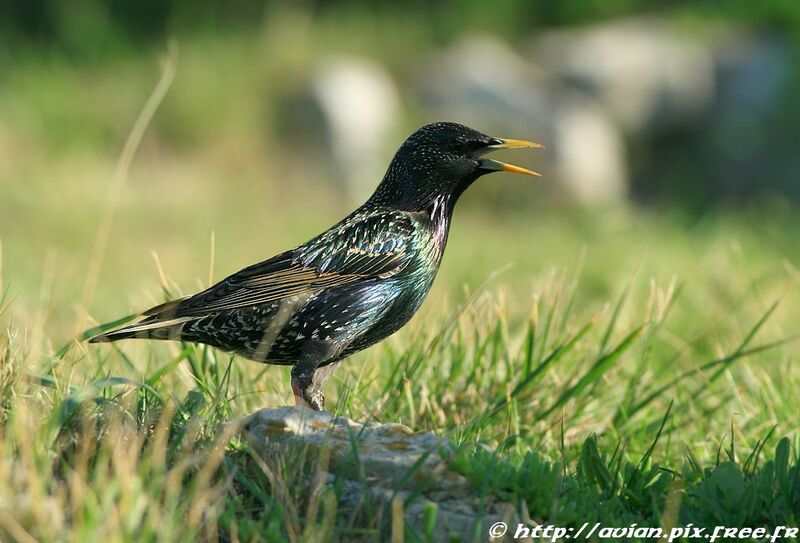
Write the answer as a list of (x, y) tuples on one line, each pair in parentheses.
[(349, 287)]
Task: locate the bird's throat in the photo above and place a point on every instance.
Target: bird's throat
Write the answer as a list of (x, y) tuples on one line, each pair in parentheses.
[(440, 212)]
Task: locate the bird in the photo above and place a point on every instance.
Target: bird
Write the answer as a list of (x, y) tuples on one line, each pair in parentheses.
[(352, 285)]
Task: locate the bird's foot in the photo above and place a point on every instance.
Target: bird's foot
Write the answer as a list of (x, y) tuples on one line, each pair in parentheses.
[(311, 398), (315, 399)]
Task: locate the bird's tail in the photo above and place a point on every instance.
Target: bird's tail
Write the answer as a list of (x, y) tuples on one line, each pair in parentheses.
[(149, 328)]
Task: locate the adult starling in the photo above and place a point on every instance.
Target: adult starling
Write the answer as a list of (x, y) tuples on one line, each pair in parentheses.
[(352, 285)]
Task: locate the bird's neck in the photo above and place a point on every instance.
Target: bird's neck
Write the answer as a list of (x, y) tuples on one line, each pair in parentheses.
[(439, 213), (415, 192), (436, 210)]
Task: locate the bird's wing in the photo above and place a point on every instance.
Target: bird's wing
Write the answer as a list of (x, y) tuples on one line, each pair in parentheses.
[(377, 245)]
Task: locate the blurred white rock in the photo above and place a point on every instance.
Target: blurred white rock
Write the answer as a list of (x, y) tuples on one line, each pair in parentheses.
[(643, 71), (590, 154), (586, 93), (483, 83), (350, 107)]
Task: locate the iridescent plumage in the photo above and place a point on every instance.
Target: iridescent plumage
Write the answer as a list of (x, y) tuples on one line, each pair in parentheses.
[(347, 288)]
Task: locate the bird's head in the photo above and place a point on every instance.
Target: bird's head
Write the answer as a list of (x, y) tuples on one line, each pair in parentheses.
[(443, 158)]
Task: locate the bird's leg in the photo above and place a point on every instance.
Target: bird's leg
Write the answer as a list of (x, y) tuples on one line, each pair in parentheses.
[(308, 377), (298, 392)]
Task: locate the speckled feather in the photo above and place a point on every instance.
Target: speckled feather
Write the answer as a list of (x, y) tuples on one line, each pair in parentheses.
[(338, 284), (347, 288)]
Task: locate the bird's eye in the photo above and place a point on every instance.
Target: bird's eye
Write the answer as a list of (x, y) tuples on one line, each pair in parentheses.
[(460, 147)]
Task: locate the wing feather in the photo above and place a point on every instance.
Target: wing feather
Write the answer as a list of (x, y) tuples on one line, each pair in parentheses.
[(360, 247)]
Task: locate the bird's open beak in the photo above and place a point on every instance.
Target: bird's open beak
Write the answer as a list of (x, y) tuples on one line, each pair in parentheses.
[(506, 143)]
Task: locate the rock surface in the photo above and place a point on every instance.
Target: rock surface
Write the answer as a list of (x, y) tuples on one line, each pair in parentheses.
[(380, 463)]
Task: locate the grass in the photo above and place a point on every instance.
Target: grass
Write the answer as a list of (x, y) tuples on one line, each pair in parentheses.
[(624, 365), (590, 411)]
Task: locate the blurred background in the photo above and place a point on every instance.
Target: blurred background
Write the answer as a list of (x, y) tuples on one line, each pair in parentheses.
[(648, 281), (671, 128)]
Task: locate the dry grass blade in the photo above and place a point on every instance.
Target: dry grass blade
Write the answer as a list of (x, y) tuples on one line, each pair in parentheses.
[(121, 172)]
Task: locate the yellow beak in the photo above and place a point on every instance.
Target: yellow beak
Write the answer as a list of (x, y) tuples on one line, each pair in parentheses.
[(507, 143)]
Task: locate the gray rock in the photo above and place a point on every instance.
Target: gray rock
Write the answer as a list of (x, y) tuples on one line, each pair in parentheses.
[(709, 114), (753, 72), (590, 154), (382, 464), (482, 82), (644, 72), (348, 108), (720, 100)]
